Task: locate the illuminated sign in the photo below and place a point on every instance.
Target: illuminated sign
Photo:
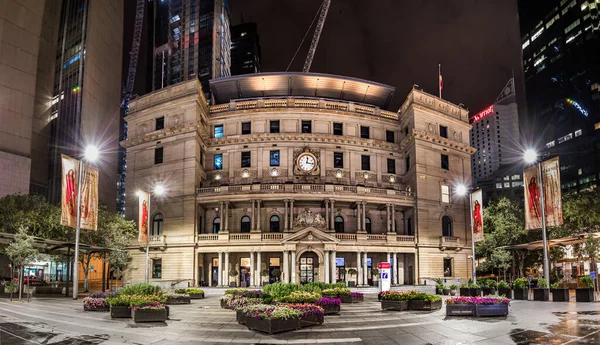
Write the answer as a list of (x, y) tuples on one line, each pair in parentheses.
[(577, 106), (485, 112)]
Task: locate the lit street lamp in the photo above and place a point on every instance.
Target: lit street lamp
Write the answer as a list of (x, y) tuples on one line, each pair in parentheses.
[(531, 157), (158, 190), (462, 190), (90, 154)]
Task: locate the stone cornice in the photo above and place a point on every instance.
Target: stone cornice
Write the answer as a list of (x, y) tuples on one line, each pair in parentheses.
[(300, 137), (436, 139), (162, 134)]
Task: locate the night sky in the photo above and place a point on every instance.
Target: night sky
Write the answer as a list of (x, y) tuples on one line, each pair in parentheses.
[(399, 43)]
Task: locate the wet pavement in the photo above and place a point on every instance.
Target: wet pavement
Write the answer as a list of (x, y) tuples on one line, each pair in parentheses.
[(63, 321)]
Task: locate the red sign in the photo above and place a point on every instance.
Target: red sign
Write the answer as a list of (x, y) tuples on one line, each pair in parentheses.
[(485, 112), (384, 265)]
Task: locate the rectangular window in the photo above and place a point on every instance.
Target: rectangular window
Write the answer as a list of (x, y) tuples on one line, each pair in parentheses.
[(498, 185), (364, 132), (156, 268), (274, 126), (246, 128), (407, 163), (445, 163), (158, 155), (218, 162), (274, 158), (365, 162), (447, 267), (338, 128), (218, 131), (306, 126), (391, 166), (578, 133), (160, 123), (445, 194), (443, 131), (338, 160), (246, 159), (389, 136)]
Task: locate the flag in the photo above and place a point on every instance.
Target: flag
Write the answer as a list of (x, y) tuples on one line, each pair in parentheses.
[(552, 195), (70, 189), (477, 215), (441, 82), (441, 85), (144, 209)]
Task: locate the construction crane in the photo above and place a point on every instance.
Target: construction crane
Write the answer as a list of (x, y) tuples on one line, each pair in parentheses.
[(316, 36), (127, 94)]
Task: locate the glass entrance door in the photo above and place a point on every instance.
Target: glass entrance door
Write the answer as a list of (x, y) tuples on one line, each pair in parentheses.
[(307, 270)]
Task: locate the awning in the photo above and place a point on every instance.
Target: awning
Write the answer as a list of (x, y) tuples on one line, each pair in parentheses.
[(55, 247), (563, 241)]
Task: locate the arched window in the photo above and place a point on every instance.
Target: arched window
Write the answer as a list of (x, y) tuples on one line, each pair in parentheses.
[(446, 226), (339, 224), (274, 224), (216, 225), (157, 225), (245, 224), (368, 225)]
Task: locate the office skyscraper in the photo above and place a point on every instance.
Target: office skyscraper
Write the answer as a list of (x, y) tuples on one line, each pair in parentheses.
[(191, 39), (561, 58), (87, 89), (245, 49)]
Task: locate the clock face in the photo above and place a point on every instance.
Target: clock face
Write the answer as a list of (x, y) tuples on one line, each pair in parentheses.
[(306, 162)]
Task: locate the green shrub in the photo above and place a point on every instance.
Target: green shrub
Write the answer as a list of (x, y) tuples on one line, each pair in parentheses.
[(121, 300), (280, 290), (491, 284), (521, 283), (439, 281), (337, 291), (140, 289), (555, 285), (302, 297), (587, 281), (194, 291), (502, 284), (453, 287), (235, 291), (542, 283), (138, 300)]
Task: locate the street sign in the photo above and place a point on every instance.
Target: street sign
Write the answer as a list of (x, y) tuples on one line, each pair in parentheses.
[(593, 275), (384, 275), (384, 265), (458, 280)]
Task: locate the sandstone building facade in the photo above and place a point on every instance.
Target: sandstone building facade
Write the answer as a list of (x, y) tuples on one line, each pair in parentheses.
[(298, 177)]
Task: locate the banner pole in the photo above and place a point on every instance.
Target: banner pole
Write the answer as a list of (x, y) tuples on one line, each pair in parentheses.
[(474, 274), (77, 231), (147, 276), (543, 206)]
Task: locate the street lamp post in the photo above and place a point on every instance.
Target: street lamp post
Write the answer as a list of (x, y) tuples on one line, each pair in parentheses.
[(91, 154), (158, 190), (462, 190), (531, 156)]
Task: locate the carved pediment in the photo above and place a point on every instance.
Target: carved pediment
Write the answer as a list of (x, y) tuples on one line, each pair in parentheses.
[(311, 235), (308, 218)]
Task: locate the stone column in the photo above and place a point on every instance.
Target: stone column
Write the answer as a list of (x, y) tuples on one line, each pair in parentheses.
[(292, 214), (293, 266), (401, 271), (395, 274), (210, 273), (226, 216), (252, 218), (258, 269), (286, 216), (326, 214), (286, 274), (388, 257), (332, 257), (332, 217), (365, 272), (364, 216), (359, 280), (393, 218), (220, 270), (252, 276), (226, 270), (327, 269), (389, 221), (258, 223), (358, 214)]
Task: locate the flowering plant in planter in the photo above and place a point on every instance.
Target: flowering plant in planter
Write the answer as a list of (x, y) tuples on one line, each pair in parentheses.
[(395, 296), (275, 312), (242, 302), (326, 301), (477, 300), (92, 303), (121, 301), (307, 310), (149, 306), (235, 291), (357, 294), (103, 294), (301, 297), (337, 291), (175, 294)]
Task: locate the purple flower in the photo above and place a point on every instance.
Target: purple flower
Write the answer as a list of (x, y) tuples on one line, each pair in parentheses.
[(356, 294), (329, 301)]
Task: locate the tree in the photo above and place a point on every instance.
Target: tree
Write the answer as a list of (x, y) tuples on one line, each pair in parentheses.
[(118, 261), (501, 259), (21, 252), (591, 249)]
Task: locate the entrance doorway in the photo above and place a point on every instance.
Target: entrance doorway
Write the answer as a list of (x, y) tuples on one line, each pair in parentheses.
[(309, 262), (274, 270), (214, 274)]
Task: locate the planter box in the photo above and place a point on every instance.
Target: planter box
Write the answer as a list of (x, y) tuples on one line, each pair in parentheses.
[(422, 305), (488, 291), (584, 295), (505, 292), (224, 305), (446, 291), (475, 292), (560, 295), (312, 320), (491, 310), (120, 311), (465, 291), (394, 305), (197, 295), (351, 284), (331, 309), (232, 284), (460, 310), (522, 294), (272, 325), (240, 317), (179, 300), (140, 315), (541, 294), (103, 309), (47, 290), (452, 292), (350, 299)]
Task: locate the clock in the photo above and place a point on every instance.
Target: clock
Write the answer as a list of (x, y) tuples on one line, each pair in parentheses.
[(307, 162)]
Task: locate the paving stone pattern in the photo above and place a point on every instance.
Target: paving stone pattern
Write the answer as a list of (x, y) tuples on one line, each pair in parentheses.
[(62, 321)]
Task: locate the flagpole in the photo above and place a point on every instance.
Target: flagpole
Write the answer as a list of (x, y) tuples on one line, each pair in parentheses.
[(439, 79)]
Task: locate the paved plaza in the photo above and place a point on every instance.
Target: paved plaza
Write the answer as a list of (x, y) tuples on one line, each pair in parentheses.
[(63, 321)]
